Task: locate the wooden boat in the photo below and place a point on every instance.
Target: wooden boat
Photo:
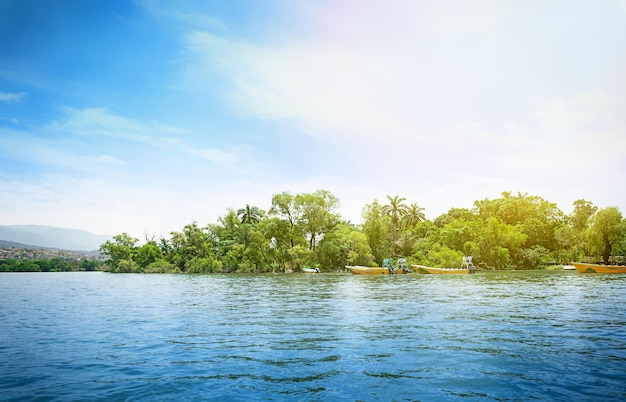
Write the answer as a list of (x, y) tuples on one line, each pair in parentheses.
[(421, 269), (466, 268), (311, 270), (386, 269), (585, 268), (361, 270)]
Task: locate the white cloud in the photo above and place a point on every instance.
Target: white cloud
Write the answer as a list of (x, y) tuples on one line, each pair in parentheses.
[(467, 16), (582, 134), (11, 97), (321, 90), (220, 157), (90, 122), (442, 103), (107, 160), (94, 138)]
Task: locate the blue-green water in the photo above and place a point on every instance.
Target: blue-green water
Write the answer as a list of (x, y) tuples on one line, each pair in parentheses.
[(489, 336)]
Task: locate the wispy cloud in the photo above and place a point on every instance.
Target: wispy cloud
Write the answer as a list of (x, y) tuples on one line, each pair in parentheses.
[(100, 122), (442, 102), (220, 157), (323, 90), (185, 14), (78, 140), (479, 16), (108, 160), (11, 96)]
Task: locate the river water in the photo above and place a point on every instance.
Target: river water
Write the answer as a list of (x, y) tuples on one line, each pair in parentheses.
[(514, 336)]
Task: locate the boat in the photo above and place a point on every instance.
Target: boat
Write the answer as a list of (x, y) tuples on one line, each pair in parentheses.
[(422, 269), (585, 268), (361, 270), (311, 270), (386, 269), (467, 267)]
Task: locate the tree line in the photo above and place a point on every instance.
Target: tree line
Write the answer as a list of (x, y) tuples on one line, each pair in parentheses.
[(514, 231), (51, 265)]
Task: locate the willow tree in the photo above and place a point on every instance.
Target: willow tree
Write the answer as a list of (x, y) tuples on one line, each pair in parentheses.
[(377, 227), (194, 249), (285, 207), (317, 214), (606, 231)]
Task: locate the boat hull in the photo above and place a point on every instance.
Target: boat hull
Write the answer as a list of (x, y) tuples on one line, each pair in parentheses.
[(421, 269), (599, 269), (360, 270), (311, 270)]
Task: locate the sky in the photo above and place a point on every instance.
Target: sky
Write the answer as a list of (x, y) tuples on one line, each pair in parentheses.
[(145, 116)]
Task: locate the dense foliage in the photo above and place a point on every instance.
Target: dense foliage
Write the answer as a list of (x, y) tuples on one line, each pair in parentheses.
[(305, 230), (51, 265)]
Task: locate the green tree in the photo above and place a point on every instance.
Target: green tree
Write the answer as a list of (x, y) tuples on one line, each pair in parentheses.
[(606, 231), (317, 214), (120, 252), (498, 243), (258, 252), (414, 215), (345, 245), (285, 207), (89, 265), (442, 256), (582, 214), (243, 247), (462, 214), (377, 227), (148, 254), (576, 235), (192, 243), (396, 210), (542, 223), (250, 214), (620, 247)]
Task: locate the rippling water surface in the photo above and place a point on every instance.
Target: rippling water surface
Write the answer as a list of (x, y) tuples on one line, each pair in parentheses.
[(328, 337)]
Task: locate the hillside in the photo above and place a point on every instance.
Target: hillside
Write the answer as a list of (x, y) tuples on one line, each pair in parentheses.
[(51, 237)]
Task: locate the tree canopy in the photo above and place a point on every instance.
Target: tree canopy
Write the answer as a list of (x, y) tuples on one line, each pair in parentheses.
[(514, 231)]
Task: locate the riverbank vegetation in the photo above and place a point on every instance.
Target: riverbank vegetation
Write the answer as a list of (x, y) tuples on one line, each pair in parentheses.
[(50, 265), (304, 230)]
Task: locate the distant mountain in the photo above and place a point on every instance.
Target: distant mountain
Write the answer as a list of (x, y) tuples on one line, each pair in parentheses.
[(14, 244), (53, 237)]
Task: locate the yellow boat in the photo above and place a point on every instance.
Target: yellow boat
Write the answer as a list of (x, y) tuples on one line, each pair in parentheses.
[(584, 268), (421, 269), (361, 270), (386, 269), (466, 268)]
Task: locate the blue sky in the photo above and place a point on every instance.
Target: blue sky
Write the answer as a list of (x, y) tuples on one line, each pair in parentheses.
[(144, 116)]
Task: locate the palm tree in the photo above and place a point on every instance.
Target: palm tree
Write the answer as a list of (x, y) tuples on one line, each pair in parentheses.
[(250, 214), (414, 215), (396, 209)]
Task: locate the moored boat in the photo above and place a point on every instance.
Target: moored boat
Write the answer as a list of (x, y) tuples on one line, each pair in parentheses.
[(467, 267), (361, 270), (585, 268), (421, 269), (386, 269), (311, 270)]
